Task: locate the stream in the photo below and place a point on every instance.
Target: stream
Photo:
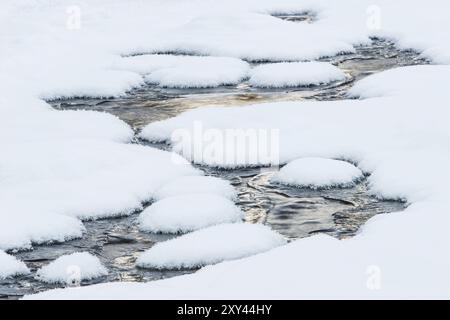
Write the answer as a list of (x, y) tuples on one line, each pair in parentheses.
[(294, 212)]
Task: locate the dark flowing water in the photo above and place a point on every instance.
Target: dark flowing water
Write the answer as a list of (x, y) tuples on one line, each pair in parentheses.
[(301, 212), (294, 212)]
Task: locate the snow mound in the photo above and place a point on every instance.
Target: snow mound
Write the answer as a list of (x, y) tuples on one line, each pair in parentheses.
[(72, 268), (210, 246), (439, 54), (318, 173), (295, 74), (195, 185), (187, 71), (10, 266), (188, 213)]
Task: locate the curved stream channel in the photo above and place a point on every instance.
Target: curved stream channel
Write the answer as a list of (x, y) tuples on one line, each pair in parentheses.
[(294, 212)]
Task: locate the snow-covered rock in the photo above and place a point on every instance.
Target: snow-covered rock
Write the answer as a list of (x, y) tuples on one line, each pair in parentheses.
[(187, 213), (439, 54), (195, 185), (71, 269), (211, 245), (10, 266), (187, 71), (318, 173), (295, 74)]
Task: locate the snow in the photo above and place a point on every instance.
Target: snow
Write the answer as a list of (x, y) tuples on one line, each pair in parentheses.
[(72, 268), (295, 74), (210, 246), (439, 55), (77, 179), (195, 185), (188, 212), (186, 71), (318, 173), (10, 266), (397, 131), (394, 82), (84, 168)]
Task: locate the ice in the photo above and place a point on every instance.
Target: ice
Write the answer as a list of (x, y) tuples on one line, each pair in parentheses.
[(72, 269), (279, 75), (10, 266), (187, 71), (210, 246), (188, 212), (318, 173), (195, 185)]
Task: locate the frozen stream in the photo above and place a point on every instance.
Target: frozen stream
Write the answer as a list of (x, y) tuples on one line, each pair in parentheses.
[(293, 212)]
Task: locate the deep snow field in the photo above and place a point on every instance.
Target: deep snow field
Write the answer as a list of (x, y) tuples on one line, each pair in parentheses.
[(355, 93)]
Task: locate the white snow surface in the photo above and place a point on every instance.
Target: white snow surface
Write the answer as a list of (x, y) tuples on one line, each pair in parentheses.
[(77, 266), (10, 266), (295, 74), (210, 246), (200, 73), (195, 185), (188, 213), (72, 179), (398, 131), (175, 71), (318, 173)]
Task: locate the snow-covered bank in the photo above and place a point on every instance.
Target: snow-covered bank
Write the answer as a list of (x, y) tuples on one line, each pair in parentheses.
[(176, 71), (211, 245)]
